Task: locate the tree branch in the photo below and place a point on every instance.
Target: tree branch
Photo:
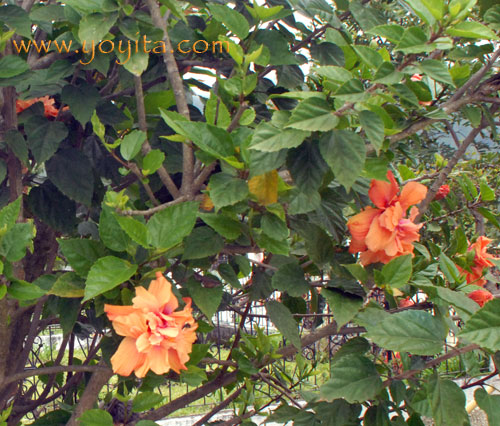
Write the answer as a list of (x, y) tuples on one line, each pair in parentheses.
[(431, 193), (54, 370), (180, 97), (91, 392)]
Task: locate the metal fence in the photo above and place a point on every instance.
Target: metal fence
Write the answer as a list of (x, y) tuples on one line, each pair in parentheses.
[(47, 350)]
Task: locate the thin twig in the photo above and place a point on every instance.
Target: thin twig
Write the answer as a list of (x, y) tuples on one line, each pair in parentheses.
[(431, 193), (219, 407), (153, 210), (432, 363), (146, 147)]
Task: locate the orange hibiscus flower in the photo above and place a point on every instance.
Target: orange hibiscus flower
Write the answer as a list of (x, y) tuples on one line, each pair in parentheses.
[(48, 104), (480, 297), (156, 337), (383, 233), (481, 261)]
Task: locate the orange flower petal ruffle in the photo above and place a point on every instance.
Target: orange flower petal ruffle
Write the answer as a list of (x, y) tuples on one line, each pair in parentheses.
[(157, 337)]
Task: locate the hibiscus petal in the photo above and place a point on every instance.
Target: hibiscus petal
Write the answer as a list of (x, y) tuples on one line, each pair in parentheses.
[(383, 193), (114, 310), (378, 237), (126, 358), (368, 257), (411, 194), (132, 325), (175, 362), (162, 290), (158, 360), (142, 343), (145, 300), (359, 225), (480, 297)]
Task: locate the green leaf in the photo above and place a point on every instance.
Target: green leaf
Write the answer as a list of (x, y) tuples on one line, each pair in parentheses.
[(291, 279), (107, 273), (17, 144), (234, 21), (448, 268), (136, 63), (334, 73), (427, 10), (354, 378), (487, 194), (71, 172), (341, 147), (110, 232), (68, 284), (227, 227), (94, 27), (202, 242), (411, 331), (152, 161), (414, 40), (352, 91), (217, 113), (136, 230), (490, 404), (373, 126), (447, 402), (398, 271), (343, 306), (274, 227), (53, 207), (393, 33), (369, 56), (53, 418), (207, 299), (44, 137), (14, 242), (68, 311), (226, 190), (438, 70), (131, 144), (176, 8), (81, 254), (22, 290), (211, 139), (146, 401), (168, 227), (82, 101), (313, 114), (16, 18), (483, 328), (96, 418), (367, 17), (269, 138), (328, 54), (471, 29), (306, 166), (355, 346), (10, 213), (274, 246), (281, 317), (490, 217), (228, 274)]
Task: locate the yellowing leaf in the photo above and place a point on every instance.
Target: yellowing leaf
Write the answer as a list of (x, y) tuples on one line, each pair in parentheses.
[(265, 187), (206, 203)]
